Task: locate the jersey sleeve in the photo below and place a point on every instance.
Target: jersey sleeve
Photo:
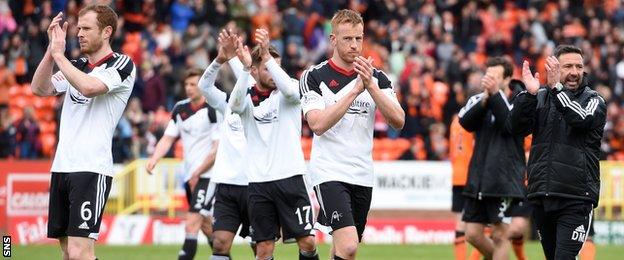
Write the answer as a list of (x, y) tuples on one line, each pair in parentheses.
[(59, 82), (116, 74), (385, 85), (311, 95), (172, 129)]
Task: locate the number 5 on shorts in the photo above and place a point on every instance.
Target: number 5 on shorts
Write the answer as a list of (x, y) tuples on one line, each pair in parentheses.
[(307, 214)]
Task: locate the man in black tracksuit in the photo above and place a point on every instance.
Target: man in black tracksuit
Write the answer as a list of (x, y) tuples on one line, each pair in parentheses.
[(567, 119), (496, 172)]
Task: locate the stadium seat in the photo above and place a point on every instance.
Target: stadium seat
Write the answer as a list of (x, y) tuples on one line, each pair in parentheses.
[(16, 112), (18, 101), (38, 102), (44, 114), (47, 127), (15, 90), (48, 141)]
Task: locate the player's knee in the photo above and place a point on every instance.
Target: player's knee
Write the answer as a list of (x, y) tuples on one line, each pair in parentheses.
[(264, 250), (347, 250), (306, 243), (221, 246), (515, 233), (473, 237), (193, 225), (76, 251)]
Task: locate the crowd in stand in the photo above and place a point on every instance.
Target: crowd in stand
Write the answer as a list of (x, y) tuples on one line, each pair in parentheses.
[(434, 51)]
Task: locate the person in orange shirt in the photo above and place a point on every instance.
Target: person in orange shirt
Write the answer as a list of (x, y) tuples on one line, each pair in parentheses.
[(460, 152)]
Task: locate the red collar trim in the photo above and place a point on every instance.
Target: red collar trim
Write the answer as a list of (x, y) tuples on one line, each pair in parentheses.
[(197, 107), (98, 63), (265, 93), (341, 70)]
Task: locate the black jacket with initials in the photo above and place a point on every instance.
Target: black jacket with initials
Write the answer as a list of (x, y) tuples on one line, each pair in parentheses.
[(497, 166), (567, 127)]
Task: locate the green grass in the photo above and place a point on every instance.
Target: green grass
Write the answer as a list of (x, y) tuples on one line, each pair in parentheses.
[(436, 252)]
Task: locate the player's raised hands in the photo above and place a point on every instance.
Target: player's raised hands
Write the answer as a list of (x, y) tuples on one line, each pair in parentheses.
[(227, 45), (56, 22), (530, 81), (57, 41), (553, 71), (490, 84), (242, 51), (262, 39), (364, 68)]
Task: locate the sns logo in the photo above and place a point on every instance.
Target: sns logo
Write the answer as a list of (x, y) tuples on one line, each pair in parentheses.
[(579, 234), (6, 246)]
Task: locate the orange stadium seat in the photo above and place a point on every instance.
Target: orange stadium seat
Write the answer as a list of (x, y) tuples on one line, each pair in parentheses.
[(385, 149), (16, 112), (50, 102), (15, 90), (47, 127), (48, 142), (38, 102), (44, 114), (18, 101)]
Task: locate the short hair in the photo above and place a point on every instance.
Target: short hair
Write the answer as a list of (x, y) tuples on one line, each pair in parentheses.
[(192, 72), (564, 49), (256, 57), (346, 16), (501, 61), (105, 17)]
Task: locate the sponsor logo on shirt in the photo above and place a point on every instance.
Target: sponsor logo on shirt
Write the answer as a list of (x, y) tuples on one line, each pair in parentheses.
[(359, 107), (267, 117)]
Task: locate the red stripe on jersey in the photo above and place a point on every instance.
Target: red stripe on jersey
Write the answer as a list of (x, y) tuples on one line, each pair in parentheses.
[(341, 70), (98, 63)]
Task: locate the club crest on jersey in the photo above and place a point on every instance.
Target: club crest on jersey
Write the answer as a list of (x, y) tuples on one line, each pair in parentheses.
[(77, 98)]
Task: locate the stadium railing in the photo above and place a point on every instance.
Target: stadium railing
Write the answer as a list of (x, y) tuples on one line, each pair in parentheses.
[(611, 204), (135, 191)]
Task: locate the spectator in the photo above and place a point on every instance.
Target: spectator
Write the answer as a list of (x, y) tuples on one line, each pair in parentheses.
[(7, 133), (28, 136), (7, 80), (154, 88)]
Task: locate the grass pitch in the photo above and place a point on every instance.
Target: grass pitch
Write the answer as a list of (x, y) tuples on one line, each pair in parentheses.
[(434, 252)]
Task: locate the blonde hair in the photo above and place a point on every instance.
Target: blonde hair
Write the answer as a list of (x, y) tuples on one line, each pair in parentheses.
[(346, 16)]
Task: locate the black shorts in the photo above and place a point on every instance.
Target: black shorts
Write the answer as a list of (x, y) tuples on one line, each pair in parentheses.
[(230, 209), (200, 199), (489, 210), (281, 203), (521, 208), (77, 201), (458, 199), (343, 205)]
